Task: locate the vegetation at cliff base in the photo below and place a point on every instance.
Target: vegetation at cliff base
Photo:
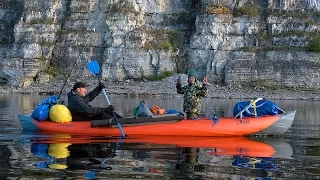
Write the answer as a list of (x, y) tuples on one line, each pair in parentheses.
[(160, 76), (314, 45)]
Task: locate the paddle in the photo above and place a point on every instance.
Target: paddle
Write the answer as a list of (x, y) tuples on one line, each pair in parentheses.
[(94, 68), (65, 82)]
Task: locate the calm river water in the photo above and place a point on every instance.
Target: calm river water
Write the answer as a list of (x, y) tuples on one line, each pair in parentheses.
[(27, 155)]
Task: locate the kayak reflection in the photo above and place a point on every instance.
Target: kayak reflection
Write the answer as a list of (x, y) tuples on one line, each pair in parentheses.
[(79, 152), (256, 162), (73, 156)]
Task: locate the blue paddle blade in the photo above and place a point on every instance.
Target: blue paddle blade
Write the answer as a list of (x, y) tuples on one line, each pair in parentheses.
[(94, 67)]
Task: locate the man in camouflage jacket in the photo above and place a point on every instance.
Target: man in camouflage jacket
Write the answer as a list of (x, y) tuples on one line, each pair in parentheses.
[(193, 93)]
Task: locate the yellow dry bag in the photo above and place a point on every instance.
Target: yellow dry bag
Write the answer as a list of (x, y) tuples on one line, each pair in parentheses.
[(60, 113)]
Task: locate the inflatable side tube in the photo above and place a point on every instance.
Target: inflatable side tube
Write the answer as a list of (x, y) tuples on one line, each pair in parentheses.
[(27, 123), (137, 120), (281, 126)]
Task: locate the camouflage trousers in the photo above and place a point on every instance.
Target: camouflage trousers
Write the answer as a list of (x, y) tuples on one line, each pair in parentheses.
[(192, 116)]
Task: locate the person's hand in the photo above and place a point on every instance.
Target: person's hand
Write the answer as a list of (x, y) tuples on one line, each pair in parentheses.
[(101, 85), (111, 107), (108, 109), (179, 80), (205, 80)]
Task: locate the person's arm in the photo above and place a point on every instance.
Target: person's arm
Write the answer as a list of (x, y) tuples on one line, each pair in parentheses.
[(203, 91), (95, 92), (78, 104), (179, 86), (89, 110)]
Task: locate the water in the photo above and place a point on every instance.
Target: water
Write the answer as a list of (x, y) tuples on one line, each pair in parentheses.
[(25, 155)]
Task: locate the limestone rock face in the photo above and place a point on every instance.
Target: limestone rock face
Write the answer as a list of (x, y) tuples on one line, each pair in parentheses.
[(289, 69), (232, 42)]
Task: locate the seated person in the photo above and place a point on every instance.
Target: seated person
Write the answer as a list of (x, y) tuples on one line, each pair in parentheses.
[(81, 110)]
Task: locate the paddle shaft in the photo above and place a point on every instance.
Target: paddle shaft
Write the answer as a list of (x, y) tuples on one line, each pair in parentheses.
[(65, 82), (106, 96), (113, 113), (75, 62), (94, 68)]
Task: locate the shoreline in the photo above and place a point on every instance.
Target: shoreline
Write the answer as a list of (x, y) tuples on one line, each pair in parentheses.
[(166, 87)]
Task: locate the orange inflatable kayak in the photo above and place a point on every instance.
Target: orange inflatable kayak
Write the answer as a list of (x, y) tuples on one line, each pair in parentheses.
[(225, 126)]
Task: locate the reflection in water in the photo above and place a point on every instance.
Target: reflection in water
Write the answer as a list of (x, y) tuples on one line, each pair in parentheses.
[(84, 156), (189, 166), (106, 157), (72, 156), (5, 155), (94, 158), (255, 162), (140, 158), (259, 166)]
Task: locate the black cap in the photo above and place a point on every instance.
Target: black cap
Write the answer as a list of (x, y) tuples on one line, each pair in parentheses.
[(79, 85)]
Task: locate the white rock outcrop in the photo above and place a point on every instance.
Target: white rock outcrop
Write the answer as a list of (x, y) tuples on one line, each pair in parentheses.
[(233, 42)]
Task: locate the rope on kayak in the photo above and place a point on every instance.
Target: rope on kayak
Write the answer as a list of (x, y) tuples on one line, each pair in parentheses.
[(254, 107), (246, 109)]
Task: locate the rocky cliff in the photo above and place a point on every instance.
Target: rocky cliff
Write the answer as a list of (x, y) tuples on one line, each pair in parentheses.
[(272, 43)]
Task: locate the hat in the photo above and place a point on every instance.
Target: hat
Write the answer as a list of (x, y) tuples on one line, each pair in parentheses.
[(79, 85), (192, 72)]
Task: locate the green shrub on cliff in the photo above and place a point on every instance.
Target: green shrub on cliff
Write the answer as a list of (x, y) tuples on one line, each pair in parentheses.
[(314, 45), (160, 76), (122, 6), (217, 9), (247, 10), (305, 15), (52, 71), (263, 35), (4, 41), (47, 43), (292, 33), (252, 49), (161, 39)]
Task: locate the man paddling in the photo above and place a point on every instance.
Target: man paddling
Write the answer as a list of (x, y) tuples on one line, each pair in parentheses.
[(81, 110)]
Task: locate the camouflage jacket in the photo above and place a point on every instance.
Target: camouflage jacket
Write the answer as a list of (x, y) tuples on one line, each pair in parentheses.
[(192, 96)]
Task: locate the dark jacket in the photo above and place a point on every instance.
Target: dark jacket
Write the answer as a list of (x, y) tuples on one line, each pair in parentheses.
[(80, 107)]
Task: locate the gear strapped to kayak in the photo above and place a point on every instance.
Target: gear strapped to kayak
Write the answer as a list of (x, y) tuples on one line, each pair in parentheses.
[(41, 112), (256, 108), (142, 120), (60, 113), (142, 110)]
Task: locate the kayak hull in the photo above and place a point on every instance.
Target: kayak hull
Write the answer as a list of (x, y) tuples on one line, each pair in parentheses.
[(226, 126)]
